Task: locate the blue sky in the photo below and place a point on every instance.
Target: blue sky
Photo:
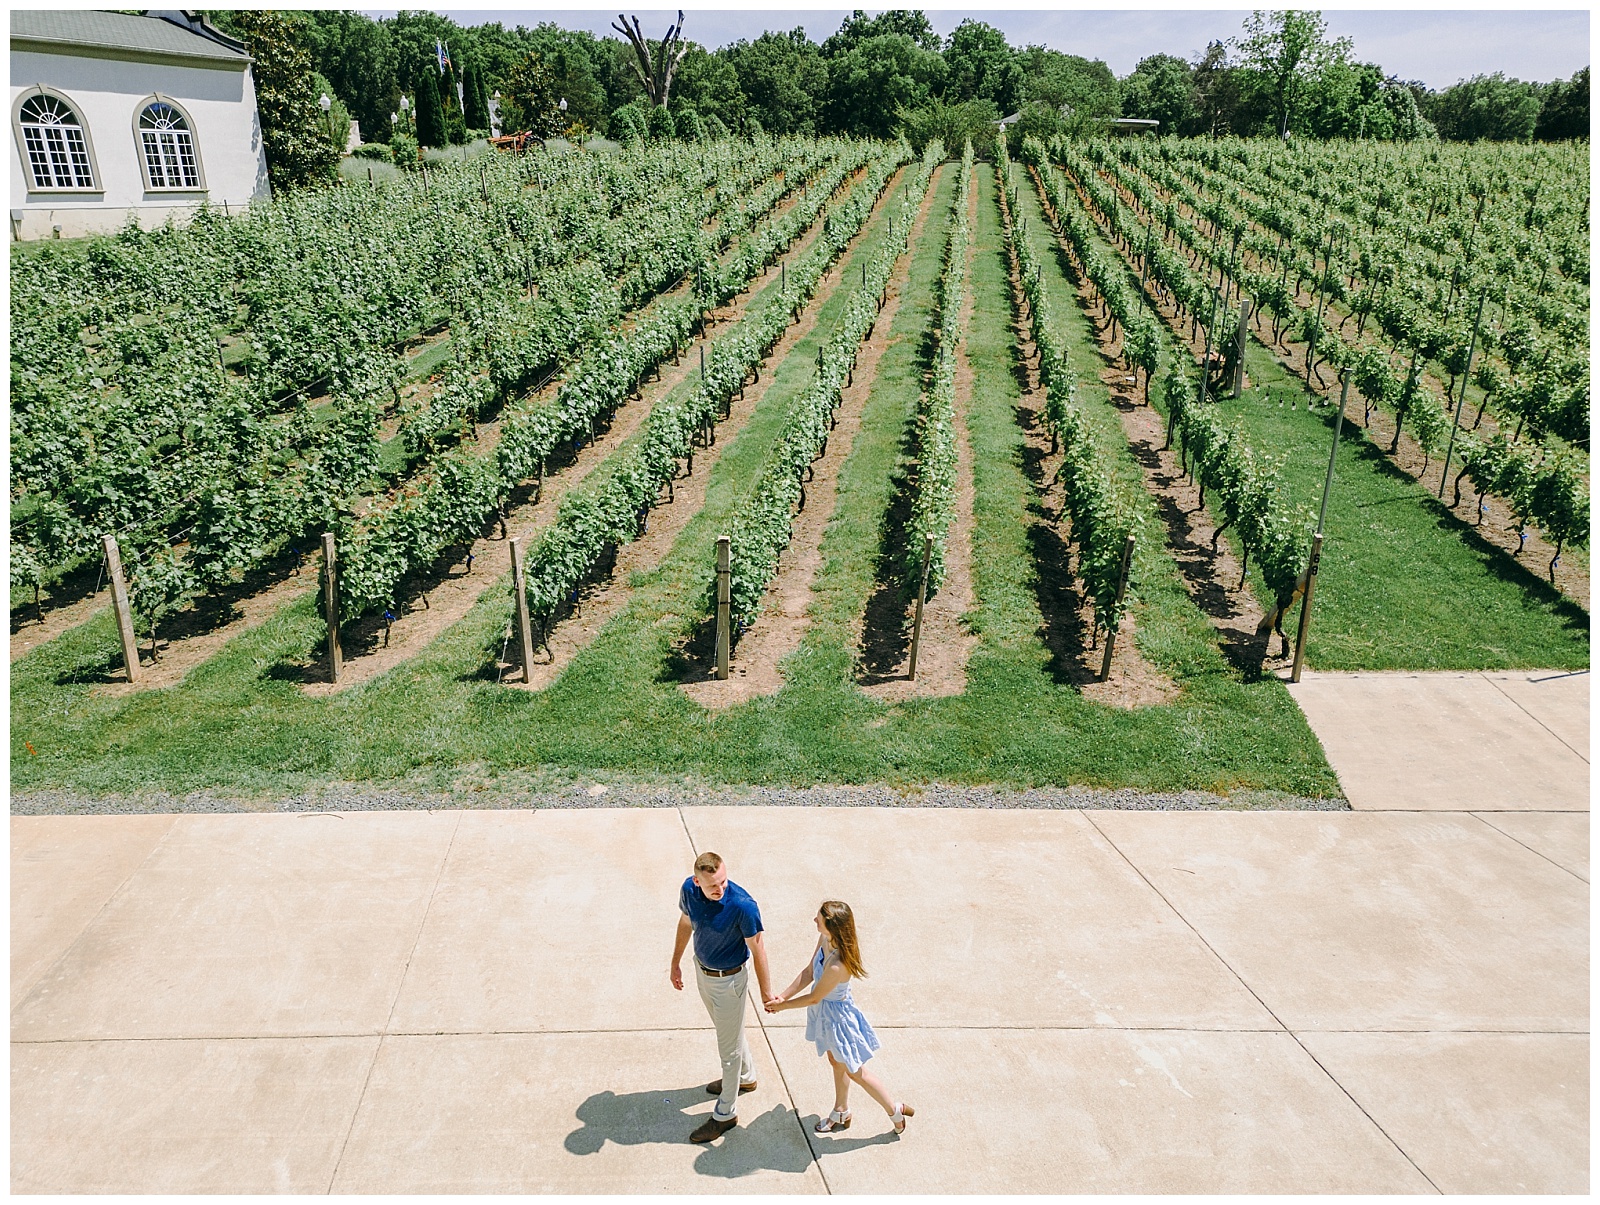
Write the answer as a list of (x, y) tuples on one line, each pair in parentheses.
[(1437, 46)]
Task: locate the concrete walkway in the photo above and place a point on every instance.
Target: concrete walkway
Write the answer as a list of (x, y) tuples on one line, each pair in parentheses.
[(1075, 1001), (1454, 741)]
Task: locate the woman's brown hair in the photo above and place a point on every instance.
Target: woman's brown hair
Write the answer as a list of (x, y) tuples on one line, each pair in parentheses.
[(840, 923)]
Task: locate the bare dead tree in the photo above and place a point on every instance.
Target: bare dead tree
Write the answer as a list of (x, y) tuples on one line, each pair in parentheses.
[(654, 71)]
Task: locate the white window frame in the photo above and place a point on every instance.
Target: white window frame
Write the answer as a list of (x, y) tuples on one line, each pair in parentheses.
[(96, 188), (140, 150)]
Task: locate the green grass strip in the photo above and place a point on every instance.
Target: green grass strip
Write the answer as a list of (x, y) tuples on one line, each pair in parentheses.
[(933, 502)]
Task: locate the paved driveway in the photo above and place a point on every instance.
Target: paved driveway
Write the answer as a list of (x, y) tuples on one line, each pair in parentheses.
[(1075, 1001), (1513, 741)]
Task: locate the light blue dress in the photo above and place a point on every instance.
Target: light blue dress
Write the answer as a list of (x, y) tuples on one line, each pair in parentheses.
[(835, 1023)]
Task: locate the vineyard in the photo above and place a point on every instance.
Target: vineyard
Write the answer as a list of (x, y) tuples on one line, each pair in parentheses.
[(663, 460)]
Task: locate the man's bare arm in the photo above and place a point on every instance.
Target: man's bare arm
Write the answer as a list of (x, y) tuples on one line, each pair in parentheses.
[(680, 943), (758, 955)]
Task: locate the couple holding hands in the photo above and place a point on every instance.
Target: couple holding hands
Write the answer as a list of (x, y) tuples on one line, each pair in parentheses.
[(725, 924)]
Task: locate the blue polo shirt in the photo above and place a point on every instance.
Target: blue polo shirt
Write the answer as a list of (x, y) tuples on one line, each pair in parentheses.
[(720, 926)]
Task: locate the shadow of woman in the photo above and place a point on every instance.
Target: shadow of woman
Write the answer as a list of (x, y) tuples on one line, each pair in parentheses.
[(772, 1141)]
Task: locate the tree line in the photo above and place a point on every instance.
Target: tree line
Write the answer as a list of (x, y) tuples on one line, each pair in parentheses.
[(878, 76)]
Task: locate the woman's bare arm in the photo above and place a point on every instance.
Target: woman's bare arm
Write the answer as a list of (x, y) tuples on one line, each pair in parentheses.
[(832, 976), (804, 977)]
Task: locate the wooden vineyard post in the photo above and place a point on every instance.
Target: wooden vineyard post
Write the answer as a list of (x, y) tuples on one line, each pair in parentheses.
[(1238, 351), (1305, 606), (922, 597), (524, 626), (1122, 586), (119, 599), (724, 601), (1455, 421), (330, 599), (1205, 361)]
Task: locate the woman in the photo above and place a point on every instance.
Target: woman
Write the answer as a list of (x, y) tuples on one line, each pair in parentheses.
[(834, 1022)]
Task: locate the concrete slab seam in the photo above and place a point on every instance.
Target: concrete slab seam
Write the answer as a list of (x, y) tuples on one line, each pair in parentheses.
[(772, 1050), (1529, 848), (89, 924), (1294, 1036), (1581, 755), (569, 1033), (766, 1036), (399, 989)]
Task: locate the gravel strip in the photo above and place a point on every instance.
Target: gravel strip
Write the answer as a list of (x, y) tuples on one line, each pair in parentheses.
[(359, 797)]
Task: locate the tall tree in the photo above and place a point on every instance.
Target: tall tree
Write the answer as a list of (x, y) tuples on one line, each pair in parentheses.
[(708, 85), (1086, 87), (357, 55), (879, 79), (430, 109), (528, 99), (655, 70), (1217, 93), (476, 113), (1489, 107), (1565, 111), (572, 79), (294, 135), (784, 80), (1162, 88), (1284, 50), (858, 28), (982, 65)]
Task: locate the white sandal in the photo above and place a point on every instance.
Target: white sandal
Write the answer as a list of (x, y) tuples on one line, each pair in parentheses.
[(898, 1117), (839, 1119)]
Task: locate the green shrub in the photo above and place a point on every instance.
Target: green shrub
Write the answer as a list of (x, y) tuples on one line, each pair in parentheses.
[(404, 149)]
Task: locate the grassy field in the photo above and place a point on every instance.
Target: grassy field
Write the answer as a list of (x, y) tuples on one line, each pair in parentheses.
[(241, 722), (1403, 584)]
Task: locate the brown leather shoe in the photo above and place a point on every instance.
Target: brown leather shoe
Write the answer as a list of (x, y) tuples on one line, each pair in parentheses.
[(711, 1128), (714, 1088)]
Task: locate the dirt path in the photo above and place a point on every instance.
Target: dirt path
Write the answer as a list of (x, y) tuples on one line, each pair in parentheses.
[(29, 631), (754, 667), (946, 642), (1070, 627), (1496, 523), (434, 607)]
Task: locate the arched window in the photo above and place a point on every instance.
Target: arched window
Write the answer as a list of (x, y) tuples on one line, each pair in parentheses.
[(166, 148), (55, 144)]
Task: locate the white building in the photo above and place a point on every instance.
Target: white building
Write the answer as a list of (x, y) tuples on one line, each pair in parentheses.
[(113, 115)]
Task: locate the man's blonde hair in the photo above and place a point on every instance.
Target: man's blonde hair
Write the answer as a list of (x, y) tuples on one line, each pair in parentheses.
[(708, 863)]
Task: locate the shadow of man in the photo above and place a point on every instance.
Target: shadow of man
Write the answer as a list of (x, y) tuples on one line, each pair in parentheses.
[(773, 1141)]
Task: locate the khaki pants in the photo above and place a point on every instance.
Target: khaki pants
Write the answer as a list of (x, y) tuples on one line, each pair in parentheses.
[(724, 1000)]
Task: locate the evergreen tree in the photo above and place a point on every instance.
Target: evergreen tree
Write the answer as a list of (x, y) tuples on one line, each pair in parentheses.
[(477, 114), (298, 147), (430, 110)]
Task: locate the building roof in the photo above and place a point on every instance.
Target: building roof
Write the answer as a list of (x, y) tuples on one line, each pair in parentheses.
[(1116, 123), (169, 34)]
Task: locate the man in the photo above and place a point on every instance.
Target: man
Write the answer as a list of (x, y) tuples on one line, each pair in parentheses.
[(726, 926)]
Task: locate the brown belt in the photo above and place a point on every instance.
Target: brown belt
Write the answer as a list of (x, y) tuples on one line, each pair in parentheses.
[(718, 974)]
